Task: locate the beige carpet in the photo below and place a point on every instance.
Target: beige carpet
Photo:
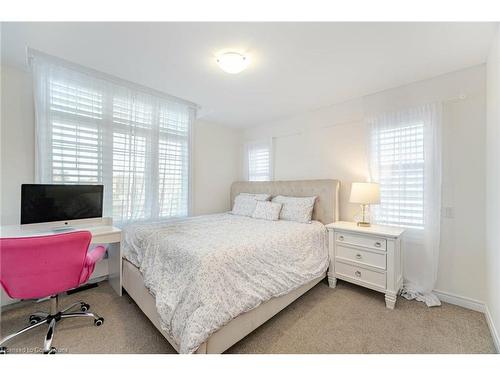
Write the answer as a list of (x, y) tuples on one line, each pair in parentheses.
[(348, 319)]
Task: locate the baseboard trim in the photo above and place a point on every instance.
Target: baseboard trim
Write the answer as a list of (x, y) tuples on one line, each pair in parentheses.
[(493, 330), (466, 302)]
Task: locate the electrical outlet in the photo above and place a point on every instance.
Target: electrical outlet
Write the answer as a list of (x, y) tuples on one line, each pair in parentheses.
[(448, 212)]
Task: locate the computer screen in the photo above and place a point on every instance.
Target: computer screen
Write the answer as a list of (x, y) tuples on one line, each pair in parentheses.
[(42, 203)]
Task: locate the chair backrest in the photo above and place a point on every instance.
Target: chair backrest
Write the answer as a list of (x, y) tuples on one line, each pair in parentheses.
[(36, 267)]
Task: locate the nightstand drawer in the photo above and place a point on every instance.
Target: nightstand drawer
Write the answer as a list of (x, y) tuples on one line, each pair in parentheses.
[(362, 257), (364, 276), (361, 240)]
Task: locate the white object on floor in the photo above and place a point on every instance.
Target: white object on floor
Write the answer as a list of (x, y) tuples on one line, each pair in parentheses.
[(367, 256), (103, 233), (411, 291)]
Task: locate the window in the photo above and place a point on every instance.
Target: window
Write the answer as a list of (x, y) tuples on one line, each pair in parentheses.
[(92, 128), (406, 159), (400, 163), (259, 161)]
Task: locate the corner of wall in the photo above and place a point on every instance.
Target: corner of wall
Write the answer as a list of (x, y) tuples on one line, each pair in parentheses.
[(493, 329), (492, 309)]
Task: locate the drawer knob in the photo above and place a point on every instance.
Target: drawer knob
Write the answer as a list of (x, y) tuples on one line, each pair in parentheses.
[(378, 244), (341, 238), (358, 274), (358, 256)]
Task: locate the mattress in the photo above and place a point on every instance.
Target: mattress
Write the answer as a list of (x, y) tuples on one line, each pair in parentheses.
[(205, 271)]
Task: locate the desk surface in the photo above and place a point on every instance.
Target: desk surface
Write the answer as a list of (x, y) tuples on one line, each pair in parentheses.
[(97, 227), (11, 231)]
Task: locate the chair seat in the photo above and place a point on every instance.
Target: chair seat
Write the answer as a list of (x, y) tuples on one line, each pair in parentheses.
[(41, 266)]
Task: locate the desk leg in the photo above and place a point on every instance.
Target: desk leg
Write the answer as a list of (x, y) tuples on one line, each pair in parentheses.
[(115, 267)]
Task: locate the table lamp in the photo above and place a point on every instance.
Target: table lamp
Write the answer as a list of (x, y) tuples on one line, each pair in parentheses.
[(365, 193)]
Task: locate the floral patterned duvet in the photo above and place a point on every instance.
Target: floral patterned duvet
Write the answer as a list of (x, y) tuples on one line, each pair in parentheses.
[(204, 271)]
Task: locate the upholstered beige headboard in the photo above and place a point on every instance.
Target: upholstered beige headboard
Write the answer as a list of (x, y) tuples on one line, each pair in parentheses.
[(326, 208)]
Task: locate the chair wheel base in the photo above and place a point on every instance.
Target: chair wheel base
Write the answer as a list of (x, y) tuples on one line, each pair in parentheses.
[(50, 351), (39, 318), (34, 319), (99, 322)]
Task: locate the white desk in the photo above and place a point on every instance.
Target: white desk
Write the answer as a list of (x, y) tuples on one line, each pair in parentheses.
[(102, 230)]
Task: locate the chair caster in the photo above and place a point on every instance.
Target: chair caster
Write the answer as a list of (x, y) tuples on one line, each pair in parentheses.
[(35, 319), (85, 307), (99, 322), (3, 350), (50, 351)]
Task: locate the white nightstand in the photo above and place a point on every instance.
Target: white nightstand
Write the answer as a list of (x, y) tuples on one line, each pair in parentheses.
[(367, 256)]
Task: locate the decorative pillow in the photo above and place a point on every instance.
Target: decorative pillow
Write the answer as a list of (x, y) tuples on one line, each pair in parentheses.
[(296, 208), (267, 210), (244, 203), (259, 196)]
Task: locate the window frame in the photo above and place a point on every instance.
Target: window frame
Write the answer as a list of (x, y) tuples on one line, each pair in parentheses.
[(383, 213), (265, 143)]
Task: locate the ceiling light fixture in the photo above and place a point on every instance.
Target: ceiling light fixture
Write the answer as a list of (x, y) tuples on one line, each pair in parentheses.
[(232, 62)]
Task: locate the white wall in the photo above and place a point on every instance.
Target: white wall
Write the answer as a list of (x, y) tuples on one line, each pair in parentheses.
[(327, 143), (17, 141), (493, 188), (216, 152), (217, 163), (331, 143)]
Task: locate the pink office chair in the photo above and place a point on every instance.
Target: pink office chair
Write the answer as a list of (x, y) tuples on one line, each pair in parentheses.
[(44, 266)]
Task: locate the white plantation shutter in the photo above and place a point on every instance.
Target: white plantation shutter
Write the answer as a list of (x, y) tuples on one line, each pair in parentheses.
[(259, 161), (92, 128), (73, 140), (173, 160), (400, 159)]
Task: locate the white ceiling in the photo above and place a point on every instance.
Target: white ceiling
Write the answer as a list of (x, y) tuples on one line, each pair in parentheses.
[(295, 66)]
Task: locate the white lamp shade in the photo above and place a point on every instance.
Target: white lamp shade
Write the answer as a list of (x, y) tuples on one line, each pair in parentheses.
[(365, 193)]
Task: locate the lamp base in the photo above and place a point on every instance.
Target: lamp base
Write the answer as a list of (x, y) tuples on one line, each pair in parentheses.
[(364, 224)]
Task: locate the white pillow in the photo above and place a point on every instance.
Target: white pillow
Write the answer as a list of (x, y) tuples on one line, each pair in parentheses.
[(258, 196), (267, 211), (244, 203), (296, 208)]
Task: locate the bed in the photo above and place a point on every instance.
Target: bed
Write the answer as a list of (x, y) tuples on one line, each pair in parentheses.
[(206, 282)]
